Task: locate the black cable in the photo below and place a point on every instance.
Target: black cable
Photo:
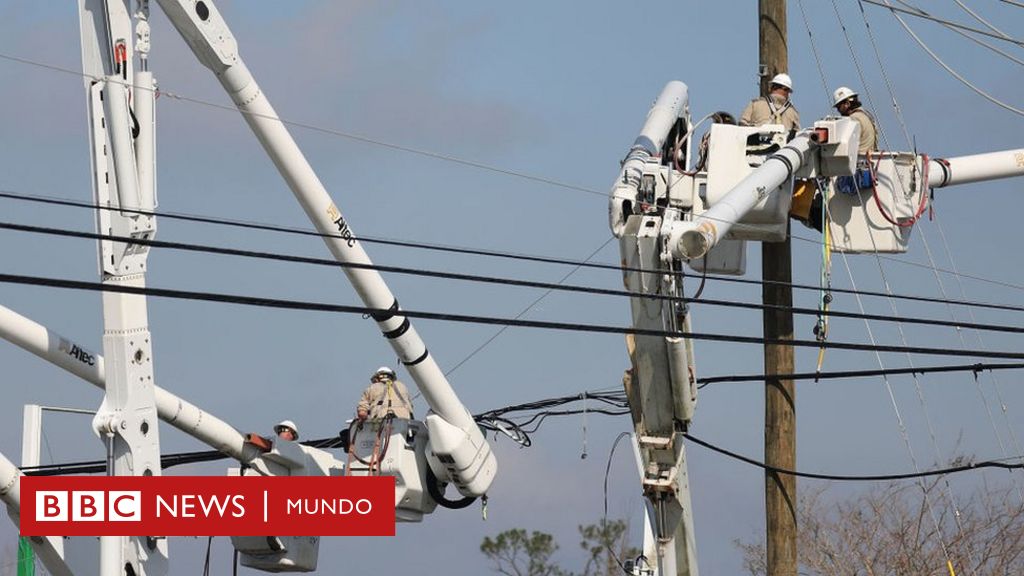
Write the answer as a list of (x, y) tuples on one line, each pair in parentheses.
[(975, 368), (206, 564), (499, 254), (435, 492), (867, 478), (696, 299), (615, 399), (604, 520), (463, 318)]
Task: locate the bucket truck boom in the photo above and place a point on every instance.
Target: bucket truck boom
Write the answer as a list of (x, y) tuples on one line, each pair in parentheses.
[(447, 448), (667, 217), (663, 218), (121, 141), (455, 439)]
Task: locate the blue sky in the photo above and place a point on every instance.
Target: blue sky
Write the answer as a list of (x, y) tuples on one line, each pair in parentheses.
[(556, 90)]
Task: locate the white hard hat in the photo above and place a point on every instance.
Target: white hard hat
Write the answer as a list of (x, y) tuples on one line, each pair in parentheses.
[(783, 80), (286, 424), (842, 93), (385, 370)]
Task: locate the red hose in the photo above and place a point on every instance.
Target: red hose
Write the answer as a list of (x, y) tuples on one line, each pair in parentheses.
[(881, 209)]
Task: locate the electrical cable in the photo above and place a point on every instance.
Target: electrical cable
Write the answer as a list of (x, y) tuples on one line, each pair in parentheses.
[(206, 563), (524, 311), (321, 129), (463, 318), (814, 51), (931, 262), (604, 518), (949, 69), (435, 492), (610, 398), (981, 342), (844, 374), (981, 42), (514, 256), (858, 478), (917, 12), (549, 286)]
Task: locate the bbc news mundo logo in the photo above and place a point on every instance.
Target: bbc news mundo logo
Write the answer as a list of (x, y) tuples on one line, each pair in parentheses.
[(207, 506), (88, 506)]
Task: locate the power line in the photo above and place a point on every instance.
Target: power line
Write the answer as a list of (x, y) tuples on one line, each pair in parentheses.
[(845, 374), (919, 13), (524, 311), (977, 17), (330, 131), (549, 286), (463, 318), (948, 68), (492, 419), (469, 162), (860, 478), (518, 256)]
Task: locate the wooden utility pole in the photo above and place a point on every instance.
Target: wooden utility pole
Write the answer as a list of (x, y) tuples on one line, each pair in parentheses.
[(777, 295)]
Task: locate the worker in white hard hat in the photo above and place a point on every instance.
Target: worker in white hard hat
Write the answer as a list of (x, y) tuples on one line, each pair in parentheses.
[(385, 396), (286, 430), (775, 108), (848, 104)]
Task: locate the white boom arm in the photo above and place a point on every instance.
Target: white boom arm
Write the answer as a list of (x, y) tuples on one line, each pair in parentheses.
[(692, 239), (89, 366), (660, 384), (455, 437), (671, 106), (114, 33), (975, 168), (829, 148), (10, 493)]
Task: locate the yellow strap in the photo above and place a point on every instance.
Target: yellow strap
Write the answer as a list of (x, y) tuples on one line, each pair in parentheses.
[(827, 264), (949, 564)]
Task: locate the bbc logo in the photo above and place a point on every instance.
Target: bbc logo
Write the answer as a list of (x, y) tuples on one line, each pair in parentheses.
[(88, 506)]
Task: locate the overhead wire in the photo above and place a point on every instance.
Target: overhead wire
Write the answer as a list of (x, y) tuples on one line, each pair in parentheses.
[(511, 255), (918, 13), (177, 459), (983, 21), (846, 374), (934, 267), (992, 376), (901, 425), (947, 67), (548, 286), (916, 475), (321, 129), (277, 303), (814, 51), (373, 141), (527, 309), (982, 43)]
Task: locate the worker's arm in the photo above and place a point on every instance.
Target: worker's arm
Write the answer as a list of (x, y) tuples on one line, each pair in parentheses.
[(747, 117), (363, 408)]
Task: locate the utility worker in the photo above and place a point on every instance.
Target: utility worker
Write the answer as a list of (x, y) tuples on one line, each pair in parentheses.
[(383, 397), (775, 108), (286, 430), (847, 103)]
